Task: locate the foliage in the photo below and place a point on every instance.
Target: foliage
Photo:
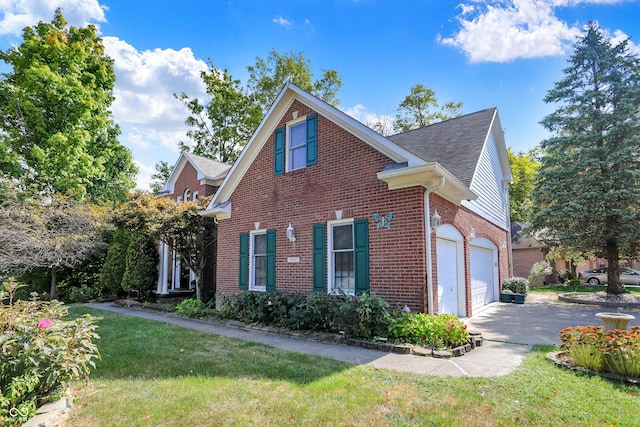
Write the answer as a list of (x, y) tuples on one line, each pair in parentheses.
[(260, 307), (160, 178), (524, 167), (588, 185), (538, 272), (418, 109), (436, 331), (194, 309), (51, 232), (268, 76), (181, 226), (55, 125), (41, 353), (364, 316), (142, 262), (115, 264), (223, 125), (615, 351), (516, 285)]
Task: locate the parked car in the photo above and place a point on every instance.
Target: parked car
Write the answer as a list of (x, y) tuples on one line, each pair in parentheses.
[(597, 276)]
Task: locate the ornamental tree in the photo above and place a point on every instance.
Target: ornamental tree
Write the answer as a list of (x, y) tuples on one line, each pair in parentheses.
[(588, 187), (56, 131)]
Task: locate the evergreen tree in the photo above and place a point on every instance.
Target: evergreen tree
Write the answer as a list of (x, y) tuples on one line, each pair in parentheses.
[(142, 261), (587, 195), (115, 263)]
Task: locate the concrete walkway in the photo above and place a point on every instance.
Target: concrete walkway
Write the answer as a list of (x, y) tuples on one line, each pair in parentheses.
[(509, 330)]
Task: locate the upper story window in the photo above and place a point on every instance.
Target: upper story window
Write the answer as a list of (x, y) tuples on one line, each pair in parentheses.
[(186, 195), (296, 145)]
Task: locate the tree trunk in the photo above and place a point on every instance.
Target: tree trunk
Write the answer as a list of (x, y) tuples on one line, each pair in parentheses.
[(614, 286), (199, 284), (54, 284)]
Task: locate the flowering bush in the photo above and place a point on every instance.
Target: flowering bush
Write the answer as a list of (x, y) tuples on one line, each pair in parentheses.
[(436, 331), (40, 353), (614, 351), (516, 285), (538, 271)]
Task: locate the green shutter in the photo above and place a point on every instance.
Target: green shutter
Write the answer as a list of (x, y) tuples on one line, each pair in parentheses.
[(319, 258), (361, 253), (243, 268), (312, 139), (271, 260), (279, 152)]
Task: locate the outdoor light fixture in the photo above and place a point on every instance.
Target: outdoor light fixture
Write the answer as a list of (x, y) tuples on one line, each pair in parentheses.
[(472, 234), (291, 234), (436, 221)]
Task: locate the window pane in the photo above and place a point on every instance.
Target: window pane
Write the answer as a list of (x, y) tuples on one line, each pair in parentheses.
[(299, 157), (260, 244), (298, 135), (344, 272), (260, 273), (343, 237)]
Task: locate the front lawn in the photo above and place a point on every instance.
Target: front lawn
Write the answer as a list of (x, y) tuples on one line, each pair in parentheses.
[(155, 374), (553, 291)]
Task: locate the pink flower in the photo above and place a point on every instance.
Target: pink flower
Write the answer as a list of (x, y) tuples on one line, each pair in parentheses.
[(406, 309), (269, 303), (44, 323)]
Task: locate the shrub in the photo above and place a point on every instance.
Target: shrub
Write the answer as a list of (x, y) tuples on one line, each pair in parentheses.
[(538, 271), (435, 331), (115, 263), (364, 316), (194, 309), (317, 312), (142, 262), (517, 285), (261, 307), (40, 354)]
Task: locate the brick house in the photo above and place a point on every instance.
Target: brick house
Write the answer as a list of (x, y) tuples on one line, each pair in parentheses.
[(319, 202), (192, 177)]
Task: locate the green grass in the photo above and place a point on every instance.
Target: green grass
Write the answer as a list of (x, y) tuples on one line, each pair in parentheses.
[(155, 374)]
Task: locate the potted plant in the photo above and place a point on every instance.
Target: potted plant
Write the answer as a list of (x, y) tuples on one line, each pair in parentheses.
[(506, 295), (519, 287)]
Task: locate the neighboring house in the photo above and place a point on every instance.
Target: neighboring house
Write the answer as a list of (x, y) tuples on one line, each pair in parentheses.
[(318, 202), (192, 177)]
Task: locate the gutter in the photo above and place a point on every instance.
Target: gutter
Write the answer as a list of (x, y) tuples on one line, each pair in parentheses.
[(427, 216)]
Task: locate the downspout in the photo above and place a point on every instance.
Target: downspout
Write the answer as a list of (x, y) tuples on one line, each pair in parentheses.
[(427, 217)]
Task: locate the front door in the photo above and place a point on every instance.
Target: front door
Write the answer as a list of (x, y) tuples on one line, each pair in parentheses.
[(447, 276)]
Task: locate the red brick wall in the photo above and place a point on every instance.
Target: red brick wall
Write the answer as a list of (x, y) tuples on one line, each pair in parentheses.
[(523, 260), (463, 220), (344, 179), (188, 178)]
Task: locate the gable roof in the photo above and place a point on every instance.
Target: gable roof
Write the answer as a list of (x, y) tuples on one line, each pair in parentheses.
[(208, 171), (411, 163), (455, 144)]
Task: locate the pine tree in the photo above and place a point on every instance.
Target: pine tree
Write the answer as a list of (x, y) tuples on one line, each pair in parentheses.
[(587, 193)]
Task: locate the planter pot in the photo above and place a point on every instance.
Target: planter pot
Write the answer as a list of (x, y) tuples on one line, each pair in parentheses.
[(506, 297), (519, 298)]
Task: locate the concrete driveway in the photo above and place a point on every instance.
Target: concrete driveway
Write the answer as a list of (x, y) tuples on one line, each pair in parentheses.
[(538, 321)]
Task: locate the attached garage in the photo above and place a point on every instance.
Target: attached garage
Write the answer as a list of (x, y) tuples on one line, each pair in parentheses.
[(483, 261), (450, 276)]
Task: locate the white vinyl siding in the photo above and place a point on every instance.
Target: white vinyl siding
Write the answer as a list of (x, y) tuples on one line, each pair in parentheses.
[(488, 183)]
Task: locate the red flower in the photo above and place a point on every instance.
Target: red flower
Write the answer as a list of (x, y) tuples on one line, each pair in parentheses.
[(44, 323)]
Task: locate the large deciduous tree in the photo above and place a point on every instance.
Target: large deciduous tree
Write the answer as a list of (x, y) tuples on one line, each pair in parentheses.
[(222, 124), (49, 232), (421, 108), (179, 225), (587, 195), (55, 126), (524, 167)]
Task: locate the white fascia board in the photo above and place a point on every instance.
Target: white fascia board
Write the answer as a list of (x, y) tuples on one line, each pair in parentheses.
[(428, 176), (175, 173), (218, 212), (496, 128)]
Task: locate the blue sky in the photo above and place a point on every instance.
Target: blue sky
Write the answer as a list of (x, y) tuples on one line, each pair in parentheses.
[(483, 53)]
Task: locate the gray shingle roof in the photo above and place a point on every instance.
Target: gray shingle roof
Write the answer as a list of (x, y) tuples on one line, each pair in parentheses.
[(455, 144), (211, 169)]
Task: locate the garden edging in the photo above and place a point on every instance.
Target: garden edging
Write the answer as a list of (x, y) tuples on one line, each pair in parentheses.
[(555, 358)]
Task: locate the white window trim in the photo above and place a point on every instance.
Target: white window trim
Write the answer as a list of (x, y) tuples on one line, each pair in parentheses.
[(287, 155), (252, 285), (330, 262), (194, 195)]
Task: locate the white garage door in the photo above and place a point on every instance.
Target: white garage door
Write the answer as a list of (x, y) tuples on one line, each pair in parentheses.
[(483, 274)]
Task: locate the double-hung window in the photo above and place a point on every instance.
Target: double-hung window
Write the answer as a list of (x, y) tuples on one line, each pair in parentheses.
[(258, 261), (342, 273), (296, 145)]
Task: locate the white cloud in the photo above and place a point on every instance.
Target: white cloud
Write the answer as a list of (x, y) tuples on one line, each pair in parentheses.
[(144, 175), (144, 93), (361, 114), (515, 29), (282, 21), (15, 15), (500, 31)]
